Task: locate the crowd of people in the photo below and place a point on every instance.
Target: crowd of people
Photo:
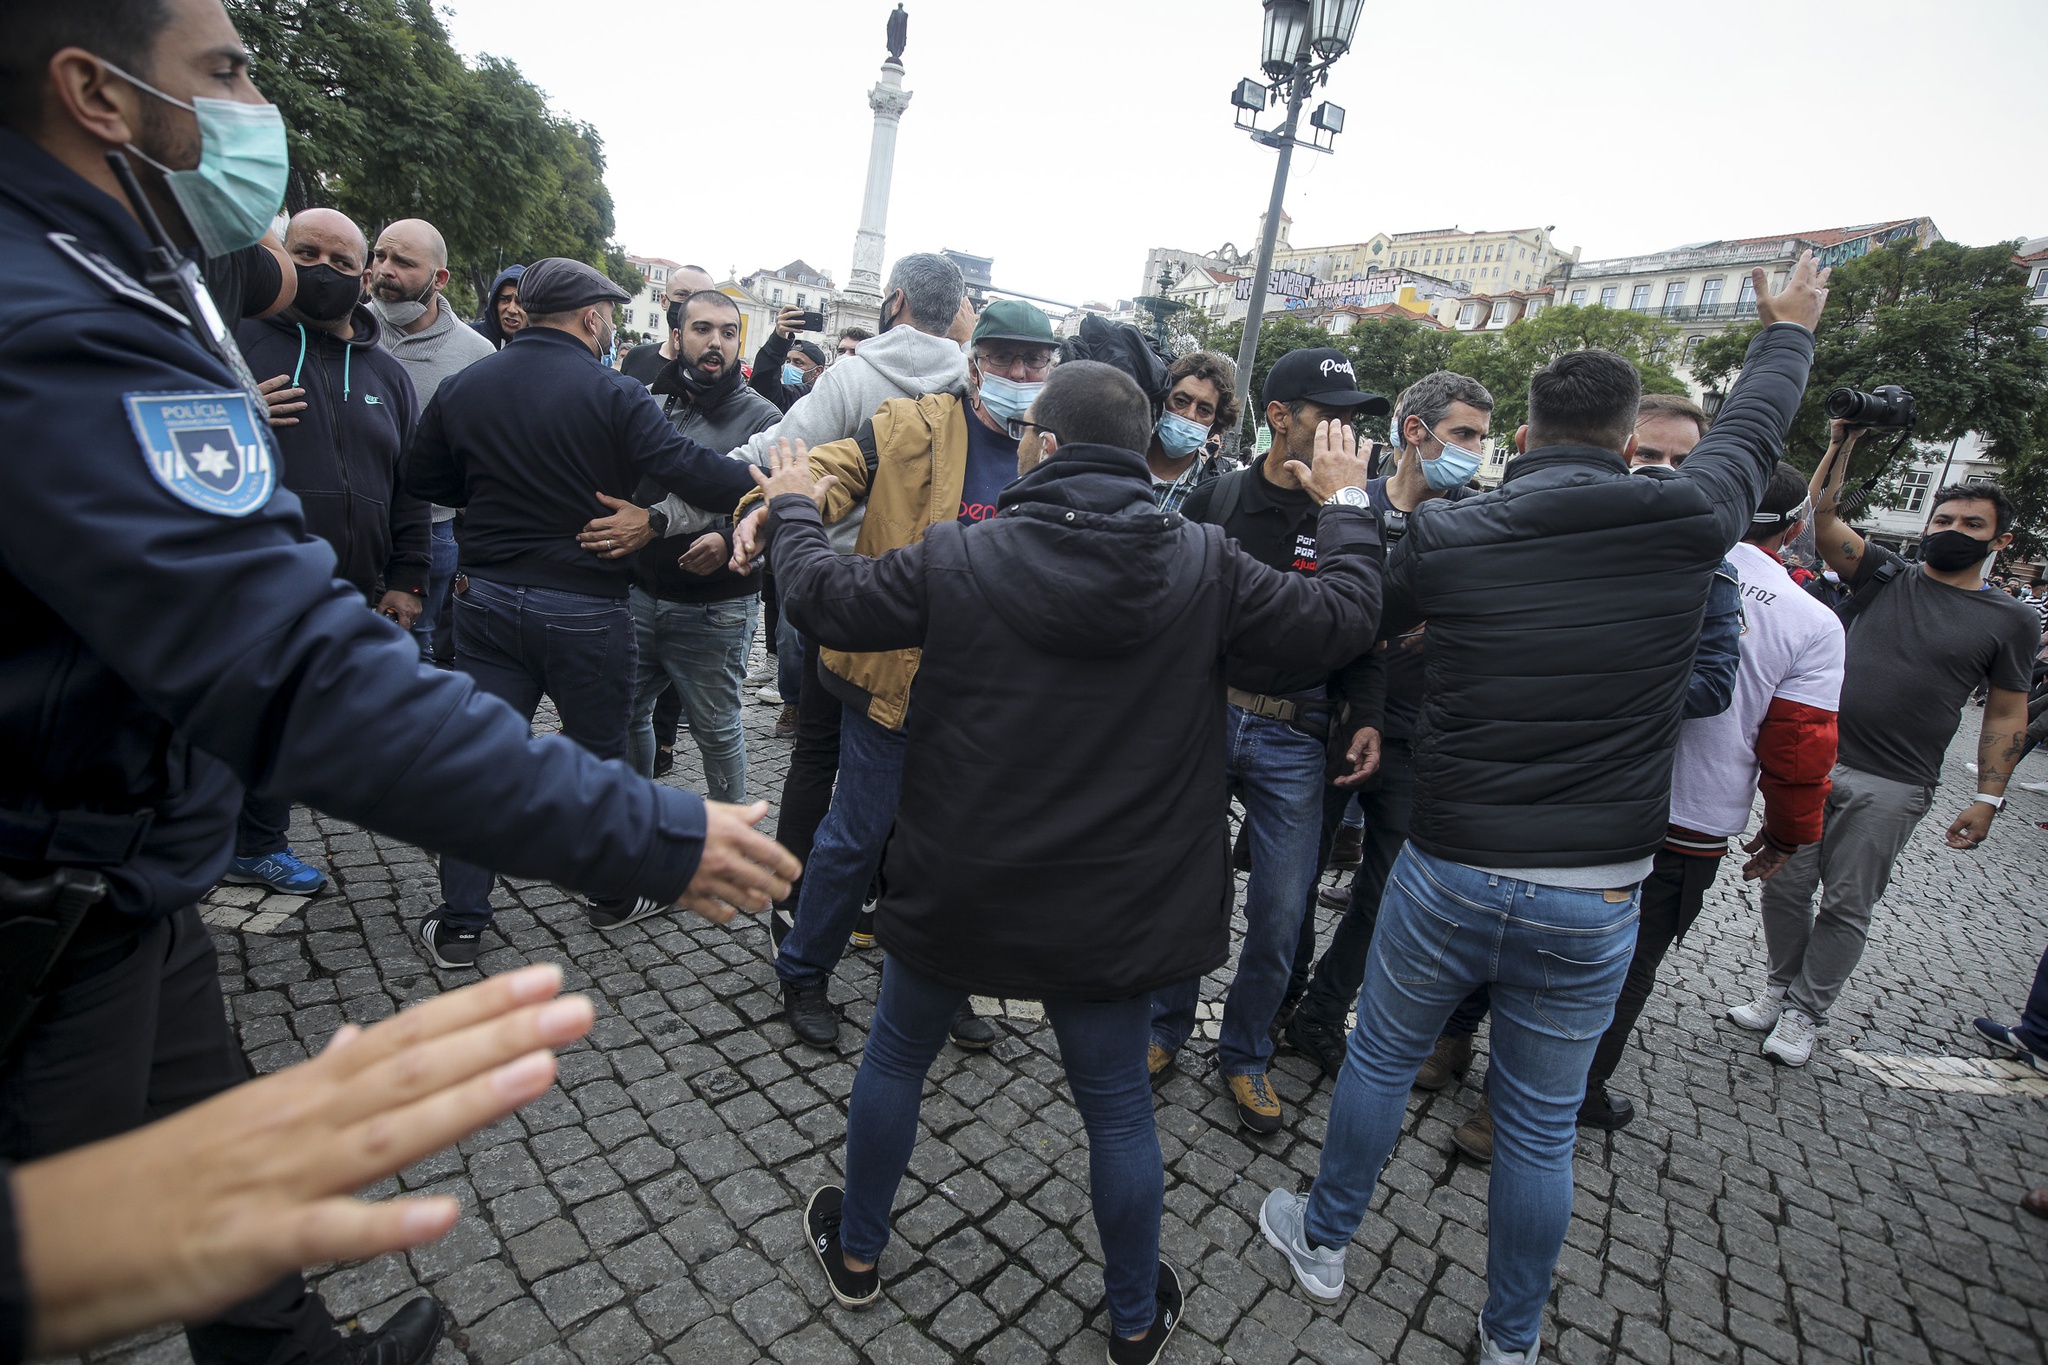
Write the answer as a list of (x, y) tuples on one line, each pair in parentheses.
[(1037, 635)]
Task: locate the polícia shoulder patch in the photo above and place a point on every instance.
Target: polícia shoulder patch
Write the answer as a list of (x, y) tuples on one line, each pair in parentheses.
[(208, 449)]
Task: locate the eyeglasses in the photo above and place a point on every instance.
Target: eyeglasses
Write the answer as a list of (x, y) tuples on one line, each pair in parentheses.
[(1018, 426), (1004, 363)]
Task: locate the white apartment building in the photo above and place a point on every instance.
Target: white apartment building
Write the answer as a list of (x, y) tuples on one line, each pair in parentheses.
[(1490, 260)]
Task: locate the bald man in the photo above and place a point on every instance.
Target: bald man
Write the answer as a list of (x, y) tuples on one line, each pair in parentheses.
[(647, 360), (408, 271), (343, 409)]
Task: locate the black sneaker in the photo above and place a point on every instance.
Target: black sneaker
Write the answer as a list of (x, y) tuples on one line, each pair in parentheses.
[(810, 1013), (1169, 1301), (1313, 1037), (450, 947), (664, 760), (408, 1337), (864, 929), (853, 1288), (970, 1032), (611, 914), (1604, 1111)]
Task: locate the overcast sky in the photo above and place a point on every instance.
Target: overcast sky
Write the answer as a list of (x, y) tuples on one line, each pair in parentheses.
[(1065, 137)]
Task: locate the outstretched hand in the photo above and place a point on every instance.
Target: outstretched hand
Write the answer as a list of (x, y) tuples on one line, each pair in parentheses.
[(789, 471), (740, 868), (1801, 300)]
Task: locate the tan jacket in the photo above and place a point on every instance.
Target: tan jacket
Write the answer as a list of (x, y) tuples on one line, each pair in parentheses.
[(920, 470)]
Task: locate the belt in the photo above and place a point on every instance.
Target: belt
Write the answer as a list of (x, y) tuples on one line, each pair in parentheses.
[(1310, 716)]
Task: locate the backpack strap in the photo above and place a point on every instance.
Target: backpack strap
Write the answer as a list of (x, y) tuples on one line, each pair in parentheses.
[(865, 439), (1228, 493), (1861, 598)]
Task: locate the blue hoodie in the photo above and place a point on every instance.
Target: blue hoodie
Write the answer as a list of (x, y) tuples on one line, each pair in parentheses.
[(487, 325)]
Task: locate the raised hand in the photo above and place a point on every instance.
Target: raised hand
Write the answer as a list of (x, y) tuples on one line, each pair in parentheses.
[(1801, 300)]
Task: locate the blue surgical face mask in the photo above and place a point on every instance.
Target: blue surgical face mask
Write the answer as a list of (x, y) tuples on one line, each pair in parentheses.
[(792, 377), (1454, 467), (1006, 399), (239, 184), (1178, 436)]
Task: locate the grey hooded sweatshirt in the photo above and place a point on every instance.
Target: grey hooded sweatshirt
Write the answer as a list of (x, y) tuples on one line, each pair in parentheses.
[(447, 346)]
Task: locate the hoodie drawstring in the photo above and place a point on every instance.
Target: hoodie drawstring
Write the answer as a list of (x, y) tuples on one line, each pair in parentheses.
[(302, 354), (347, 354)]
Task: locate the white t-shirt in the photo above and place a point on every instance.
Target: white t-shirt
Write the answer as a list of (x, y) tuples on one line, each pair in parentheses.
[(1791, 648)]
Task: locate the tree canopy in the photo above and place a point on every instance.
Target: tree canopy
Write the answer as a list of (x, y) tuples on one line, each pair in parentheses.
[(387, 121), (1950, 323)]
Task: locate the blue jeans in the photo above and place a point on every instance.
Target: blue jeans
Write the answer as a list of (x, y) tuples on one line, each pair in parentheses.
[(701, 648), (519, 643), (847, 850), (432, 629), (1277, 771), (1555, 960), (1102, 1045)]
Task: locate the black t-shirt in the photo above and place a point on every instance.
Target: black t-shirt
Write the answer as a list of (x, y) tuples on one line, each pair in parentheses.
[(991, 467), (1914, 655), (1277, 527), (243, 283), (644, 362)]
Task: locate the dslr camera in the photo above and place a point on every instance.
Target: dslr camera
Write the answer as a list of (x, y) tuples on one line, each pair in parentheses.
[(1889, 408)]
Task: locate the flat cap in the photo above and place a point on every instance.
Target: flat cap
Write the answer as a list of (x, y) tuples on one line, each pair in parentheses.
[(556, 284)]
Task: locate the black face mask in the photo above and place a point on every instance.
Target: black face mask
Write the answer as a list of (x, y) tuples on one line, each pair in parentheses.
[(1952, 551), (675, 314), (325, 294)]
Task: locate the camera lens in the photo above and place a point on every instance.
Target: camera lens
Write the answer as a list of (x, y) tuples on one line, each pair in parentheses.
[(1847, 405)]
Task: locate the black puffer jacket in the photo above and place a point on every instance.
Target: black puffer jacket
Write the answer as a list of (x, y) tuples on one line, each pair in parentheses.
[(1564, 612), (1061, 831)]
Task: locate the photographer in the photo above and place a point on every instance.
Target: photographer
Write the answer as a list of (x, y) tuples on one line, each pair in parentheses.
[(786, 365), (1920, 640)]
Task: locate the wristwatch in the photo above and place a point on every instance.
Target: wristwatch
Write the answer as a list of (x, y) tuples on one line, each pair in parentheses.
[(1351, 495), (657, 522)]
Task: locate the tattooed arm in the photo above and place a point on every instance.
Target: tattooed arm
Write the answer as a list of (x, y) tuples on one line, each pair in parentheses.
[(1841, 547), (1999, 745)]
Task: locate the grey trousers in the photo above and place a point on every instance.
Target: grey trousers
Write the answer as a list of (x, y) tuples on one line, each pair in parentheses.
[(1867, 821)]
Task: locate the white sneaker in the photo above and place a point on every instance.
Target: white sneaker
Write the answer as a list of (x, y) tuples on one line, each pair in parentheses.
[(1791, 1042), (1320, 1270), (1761, 1013), (1492, 1352), (769, 695), (1972, 767), (761, 675), (2041, 787)]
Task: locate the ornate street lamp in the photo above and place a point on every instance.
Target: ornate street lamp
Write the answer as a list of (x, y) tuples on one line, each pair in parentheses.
[(1300, 39)]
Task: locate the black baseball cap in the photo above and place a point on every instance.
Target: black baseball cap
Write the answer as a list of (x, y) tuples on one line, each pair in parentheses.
[(557, 284), (1320, 374)]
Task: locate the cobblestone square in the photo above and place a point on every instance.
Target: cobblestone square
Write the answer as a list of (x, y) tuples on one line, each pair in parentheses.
[(1861, 1210)]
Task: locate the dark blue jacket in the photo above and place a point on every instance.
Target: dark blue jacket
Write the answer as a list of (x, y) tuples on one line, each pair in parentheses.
[(1712, 684), (527, 438), (341, 456), (486, 325), (156, 656)]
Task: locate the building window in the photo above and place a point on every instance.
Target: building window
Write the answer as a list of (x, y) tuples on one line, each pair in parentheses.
[(1500, 313), (1639, 298), (2041, 285), (1710, 292), (1468, 315), (1535, 307), (1578, 298), (800, 299), (1607, 294), (1674, 293), (1748, 294), (1914, 483), (776, 297), (1692, 346)]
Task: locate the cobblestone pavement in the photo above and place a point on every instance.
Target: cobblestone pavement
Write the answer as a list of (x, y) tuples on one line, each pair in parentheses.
[(651, 1204)]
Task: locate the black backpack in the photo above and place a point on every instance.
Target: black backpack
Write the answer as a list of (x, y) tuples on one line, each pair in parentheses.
[(1124, 346)]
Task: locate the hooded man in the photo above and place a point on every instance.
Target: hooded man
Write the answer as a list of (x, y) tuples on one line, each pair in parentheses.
[(409, 270), (502, 315)]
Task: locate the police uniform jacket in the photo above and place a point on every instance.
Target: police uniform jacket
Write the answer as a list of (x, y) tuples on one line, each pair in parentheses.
[(169, 632)]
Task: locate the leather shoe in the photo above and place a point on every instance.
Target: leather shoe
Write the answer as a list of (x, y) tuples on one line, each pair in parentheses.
[(1335, 897), (1449, 1061), (810, 1014), (1313, 1037), (1347, 850), (1605, 1111), (408, 1337), (1474, 1137)]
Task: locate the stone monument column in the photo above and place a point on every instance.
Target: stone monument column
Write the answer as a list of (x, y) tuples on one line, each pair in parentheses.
[(888, 99)]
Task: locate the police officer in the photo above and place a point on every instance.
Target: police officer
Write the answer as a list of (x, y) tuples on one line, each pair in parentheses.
[(169, 633)]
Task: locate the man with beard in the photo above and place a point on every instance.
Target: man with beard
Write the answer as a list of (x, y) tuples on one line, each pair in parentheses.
[(341, 440), (690, 612), (410, 269), (647, 360)]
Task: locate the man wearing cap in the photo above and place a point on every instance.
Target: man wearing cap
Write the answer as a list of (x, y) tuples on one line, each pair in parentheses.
[(1279, 729), (916, 462), (528, 440)]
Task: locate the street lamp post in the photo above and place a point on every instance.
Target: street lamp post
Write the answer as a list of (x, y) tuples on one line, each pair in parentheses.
[(1301, 39)]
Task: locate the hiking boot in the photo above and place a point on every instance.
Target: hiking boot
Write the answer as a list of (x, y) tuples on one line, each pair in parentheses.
[(451, 948), (283, 871), (1761, 1014), (1604, 1111), (408, 1337), (1347, 850), (1319, 1270), (970, 1032), (1258, 1108), (1157, 1059), (1791, 1042), (611, 914), (785, 724), (1168, 1300), (1474, 1137), (1319, 1039), (853, 1288), (809, 1013), (1447, 1062)]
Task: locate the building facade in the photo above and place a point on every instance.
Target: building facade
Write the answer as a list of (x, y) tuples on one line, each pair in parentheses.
[(1494, 261)]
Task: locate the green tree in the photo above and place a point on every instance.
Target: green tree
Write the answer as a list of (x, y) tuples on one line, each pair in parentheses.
[(387, 121), (1950, 323), (1504, 360)]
